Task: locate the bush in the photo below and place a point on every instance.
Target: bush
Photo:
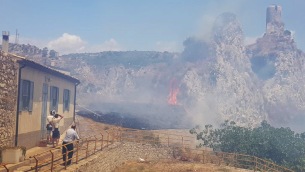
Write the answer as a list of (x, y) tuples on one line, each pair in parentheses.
[(280, 145)]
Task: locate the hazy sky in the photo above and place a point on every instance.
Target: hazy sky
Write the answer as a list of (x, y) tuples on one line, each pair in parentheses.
[(162, 25)]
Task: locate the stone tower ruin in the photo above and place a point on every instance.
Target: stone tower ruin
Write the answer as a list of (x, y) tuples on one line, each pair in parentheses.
[(274, 24)]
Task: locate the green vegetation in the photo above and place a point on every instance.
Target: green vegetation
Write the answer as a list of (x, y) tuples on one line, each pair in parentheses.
[(280, 145)]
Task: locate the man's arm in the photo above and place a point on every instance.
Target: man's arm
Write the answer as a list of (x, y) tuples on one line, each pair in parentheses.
[(76, 135)]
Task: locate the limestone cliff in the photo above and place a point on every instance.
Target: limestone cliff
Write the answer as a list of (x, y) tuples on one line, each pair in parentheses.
[(280, 66)]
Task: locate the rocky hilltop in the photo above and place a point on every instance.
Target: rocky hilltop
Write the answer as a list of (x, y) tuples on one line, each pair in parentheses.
[(279, 65), (208, 82)]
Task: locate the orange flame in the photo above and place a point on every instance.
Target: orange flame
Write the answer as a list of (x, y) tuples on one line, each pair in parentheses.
[(174, 90)]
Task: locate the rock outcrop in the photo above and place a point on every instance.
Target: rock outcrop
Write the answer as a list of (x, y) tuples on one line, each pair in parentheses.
[(226, 87), (280, 66)]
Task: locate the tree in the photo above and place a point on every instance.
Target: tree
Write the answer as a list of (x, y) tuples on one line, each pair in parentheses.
[(45, 52), (280, 145), (53, 53)]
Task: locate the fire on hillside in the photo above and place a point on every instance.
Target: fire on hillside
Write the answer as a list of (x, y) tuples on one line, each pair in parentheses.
[(174, 90)]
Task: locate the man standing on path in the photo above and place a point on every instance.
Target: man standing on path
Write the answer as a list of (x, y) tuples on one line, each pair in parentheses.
[(50, 126), (67, 144), (55, 135)]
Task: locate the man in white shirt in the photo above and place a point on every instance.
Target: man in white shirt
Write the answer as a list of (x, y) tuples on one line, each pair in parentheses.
[(50, 126), (55, 134), (67, 144)]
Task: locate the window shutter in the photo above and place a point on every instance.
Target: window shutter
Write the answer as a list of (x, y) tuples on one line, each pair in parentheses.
[(57, 99), (31, 96), (66, 100), (20, 96), (51, 95), (63, 101), (68, 97)]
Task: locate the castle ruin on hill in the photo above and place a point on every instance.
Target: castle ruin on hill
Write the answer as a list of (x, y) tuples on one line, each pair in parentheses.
[(274, 23)]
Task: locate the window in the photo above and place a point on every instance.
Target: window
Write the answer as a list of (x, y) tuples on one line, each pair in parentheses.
[(26, 95), (54, 94), (66, 100)]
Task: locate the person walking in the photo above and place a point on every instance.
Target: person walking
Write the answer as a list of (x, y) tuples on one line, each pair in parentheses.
[(56, 134), (67, 145)]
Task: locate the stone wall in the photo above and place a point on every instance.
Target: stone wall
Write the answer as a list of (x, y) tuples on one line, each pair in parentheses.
[(108, 160), (8, 99)]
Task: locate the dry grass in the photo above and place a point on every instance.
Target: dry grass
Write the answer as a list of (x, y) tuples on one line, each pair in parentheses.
[(185, 161), (173, 166)]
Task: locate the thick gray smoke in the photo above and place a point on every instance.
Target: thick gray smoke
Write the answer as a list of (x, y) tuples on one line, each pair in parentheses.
[(216, 78)]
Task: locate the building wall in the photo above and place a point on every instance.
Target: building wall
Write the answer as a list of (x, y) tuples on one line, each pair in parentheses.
[(31, 135), (30, 131), (8, 99)]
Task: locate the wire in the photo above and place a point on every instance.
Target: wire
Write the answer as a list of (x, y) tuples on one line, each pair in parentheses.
[(88, 110), (91, 128), (77, 126)]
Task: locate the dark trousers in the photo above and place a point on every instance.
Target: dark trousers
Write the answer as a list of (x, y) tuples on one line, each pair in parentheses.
[(67, 148)]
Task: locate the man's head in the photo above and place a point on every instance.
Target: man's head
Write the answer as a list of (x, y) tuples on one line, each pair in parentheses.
[(52, 112), (73, 126), (56, 115)]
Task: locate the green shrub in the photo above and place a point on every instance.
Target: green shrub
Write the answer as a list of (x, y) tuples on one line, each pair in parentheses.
[(280, 145)]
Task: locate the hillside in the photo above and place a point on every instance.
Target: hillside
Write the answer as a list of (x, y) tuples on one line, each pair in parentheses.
[(208, 82), (124, 155)]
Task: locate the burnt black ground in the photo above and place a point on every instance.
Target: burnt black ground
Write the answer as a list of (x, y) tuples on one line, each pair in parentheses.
[(171, 117)]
